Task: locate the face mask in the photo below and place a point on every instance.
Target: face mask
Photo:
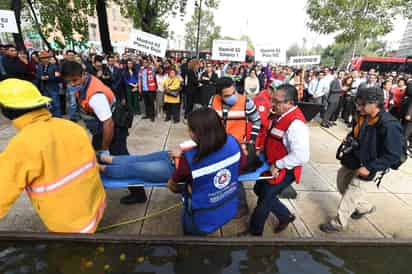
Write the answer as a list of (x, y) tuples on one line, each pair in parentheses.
[(75, 87), (231, 100)]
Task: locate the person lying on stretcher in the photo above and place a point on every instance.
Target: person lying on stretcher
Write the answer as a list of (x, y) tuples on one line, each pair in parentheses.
[(210, 166)]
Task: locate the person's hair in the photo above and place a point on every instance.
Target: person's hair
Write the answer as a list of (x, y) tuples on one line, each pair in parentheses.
[(9, 46), (193, 64), (70, 51), (71, 68), (222, 83), (98, 58), (401, 79), (12, 114), (385, 82), (110, 56), (346, 79), (209, 132), (171, 69), (291, 93)]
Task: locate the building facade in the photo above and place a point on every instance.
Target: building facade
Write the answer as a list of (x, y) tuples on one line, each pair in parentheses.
[(405, 47)]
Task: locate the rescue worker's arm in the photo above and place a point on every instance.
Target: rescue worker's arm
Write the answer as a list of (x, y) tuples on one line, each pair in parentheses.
[(101, 108), (297, 137), (253, 116), (108, 132), (17, 169)]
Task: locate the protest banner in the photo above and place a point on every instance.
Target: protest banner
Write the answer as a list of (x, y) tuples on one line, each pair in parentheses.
[(8, 21), (147, 43), (304, 60), (229, 50), (270, 54)]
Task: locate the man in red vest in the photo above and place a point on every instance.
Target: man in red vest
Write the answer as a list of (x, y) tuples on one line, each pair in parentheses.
[(286, 149)]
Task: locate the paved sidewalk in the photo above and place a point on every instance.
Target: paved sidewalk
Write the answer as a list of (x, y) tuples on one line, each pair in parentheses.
[(317, 195)]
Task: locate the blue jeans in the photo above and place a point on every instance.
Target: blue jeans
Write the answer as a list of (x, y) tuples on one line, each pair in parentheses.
[(154, 167), (269, 202), (72, 103), (55, 104)]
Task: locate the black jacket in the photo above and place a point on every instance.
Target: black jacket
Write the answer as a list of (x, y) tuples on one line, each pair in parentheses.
[(380, 145), (208, 87)]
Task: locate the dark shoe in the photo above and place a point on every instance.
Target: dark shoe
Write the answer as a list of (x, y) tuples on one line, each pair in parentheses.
[(325, 125), (288, 193), (167, 119), (133, 199), (328, 228), (152, 119), (145, 117), (242, 212), (176, 122), (357, 215), (283, 226)]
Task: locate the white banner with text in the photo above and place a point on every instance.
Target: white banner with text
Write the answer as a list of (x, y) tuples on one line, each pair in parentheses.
[(8, 21), (147, 43), (229, 50)]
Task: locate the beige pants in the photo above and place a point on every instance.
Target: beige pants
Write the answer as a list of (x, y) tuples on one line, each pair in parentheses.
[(353, 197)]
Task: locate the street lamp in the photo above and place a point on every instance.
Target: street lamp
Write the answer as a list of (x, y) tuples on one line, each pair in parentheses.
[(198, 26)]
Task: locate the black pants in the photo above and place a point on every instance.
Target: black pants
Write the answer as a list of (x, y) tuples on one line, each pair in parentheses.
[(149, 98), (407, 129), (172, 111), (348, 107), (118, 147), (189, 103)]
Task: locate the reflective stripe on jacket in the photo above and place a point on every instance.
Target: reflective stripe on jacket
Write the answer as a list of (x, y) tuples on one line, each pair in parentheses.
[(53, 160)]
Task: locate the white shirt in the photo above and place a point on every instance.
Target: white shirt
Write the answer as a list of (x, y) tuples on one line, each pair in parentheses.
[(296, 141), (101, 107), (321, 88), (329, 78)]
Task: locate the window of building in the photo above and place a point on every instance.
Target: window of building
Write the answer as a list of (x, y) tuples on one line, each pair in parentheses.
[(114, 14)]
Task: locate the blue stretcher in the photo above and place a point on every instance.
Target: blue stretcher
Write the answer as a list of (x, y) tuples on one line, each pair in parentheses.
[(110, 183)]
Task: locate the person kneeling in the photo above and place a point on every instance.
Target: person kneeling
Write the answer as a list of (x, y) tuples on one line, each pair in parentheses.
[(211, 171), (286, 149)]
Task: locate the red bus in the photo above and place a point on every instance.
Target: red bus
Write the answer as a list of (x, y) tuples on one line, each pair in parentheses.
[(383, 64)]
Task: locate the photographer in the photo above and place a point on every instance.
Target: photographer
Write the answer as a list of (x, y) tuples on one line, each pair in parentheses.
[(374, 145)]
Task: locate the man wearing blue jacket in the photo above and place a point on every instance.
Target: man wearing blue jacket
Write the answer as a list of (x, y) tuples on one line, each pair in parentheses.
[(47, 80), (374, 145)]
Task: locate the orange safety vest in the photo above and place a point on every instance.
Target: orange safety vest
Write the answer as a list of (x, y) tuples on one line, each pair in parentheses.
[(235, 119), (94, 86)]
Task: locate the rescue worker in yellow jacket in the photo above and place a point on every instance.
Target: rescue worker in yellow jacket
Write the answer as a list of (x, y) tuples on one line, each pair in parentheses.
[(52, 159)]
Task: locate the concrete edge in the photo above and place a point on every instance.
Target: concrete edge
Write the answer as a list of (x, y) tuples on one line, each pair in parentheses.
[(242, 241)]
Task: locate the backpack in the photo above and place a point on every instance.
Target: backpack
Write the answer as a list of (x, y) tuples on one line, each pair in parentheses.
[(404, 149)]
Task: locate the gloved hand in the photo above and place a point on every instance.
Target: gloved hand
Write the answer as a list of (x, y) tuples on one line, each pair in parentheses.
[(99, 153)]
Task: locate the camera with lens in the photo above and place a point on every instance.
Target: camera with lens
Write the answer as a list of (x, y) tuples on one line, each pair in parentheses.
[(345, 153)]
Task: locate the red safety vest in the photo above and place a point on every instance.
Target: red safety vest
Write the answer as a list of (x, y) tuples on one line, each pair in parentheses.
[(263, 105), (151, 80), (275, 149), (95, 86)]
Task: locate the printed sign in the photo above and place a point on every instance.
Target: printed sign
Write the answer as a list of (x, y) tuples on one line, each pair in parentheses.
[(147, 43), (229, 50), (270, 54), (304, 60), (8, 21)]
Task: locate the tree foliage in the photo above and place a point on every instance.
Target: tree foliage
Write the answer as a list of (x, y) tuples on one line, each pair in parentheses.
[(150, 15), (352, 20), (208, 30), (68, 17)]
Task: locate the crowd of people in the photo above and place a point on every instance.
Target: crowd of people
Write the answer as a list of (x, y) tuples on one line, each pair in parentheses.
[(234, 112)]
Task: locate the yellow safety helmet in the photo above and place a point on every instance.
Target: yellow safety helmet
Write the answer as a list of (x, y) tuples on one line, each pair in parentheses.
[(20, 94)]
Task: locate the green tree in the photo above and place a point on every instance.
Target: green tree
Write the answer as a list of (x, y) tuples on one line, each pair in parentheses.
[(208, 30), (68, 17), (353, 20)]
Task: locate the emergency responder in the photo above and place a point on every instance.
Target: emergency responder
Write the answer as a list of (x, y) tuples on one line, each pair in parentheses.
[(236, 111), (286, 150), (96, 105), (51, 159)]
